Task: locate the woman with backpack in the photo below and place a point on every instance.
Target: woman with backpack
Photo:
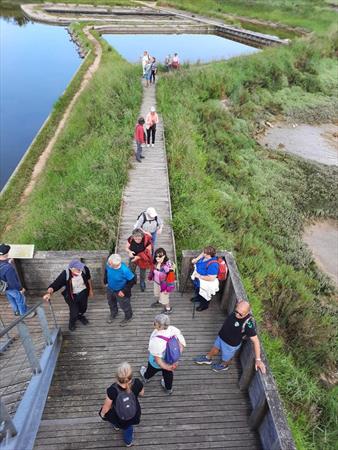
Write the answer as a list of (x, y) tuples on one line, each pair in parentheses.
[(163, 276), (139, 249), (166, 345), (121, 407), (150, 222)]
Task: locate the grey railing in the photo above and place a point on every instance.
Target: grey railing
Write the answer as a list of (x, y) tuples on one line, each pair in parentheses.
[(267, 416), (26, 371)]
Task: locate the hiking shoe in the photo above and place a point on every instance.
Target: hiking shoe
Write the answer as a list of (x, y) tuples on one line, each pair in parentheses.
[(142, 372), (17, 313), (155, 305), (110, 318), (202, 360), (130, 444), (219, 367), (138, 160), (83, 320), (142, 286), (142, 157), (167, 311), (148, 145), (168, 391), (153, 145), (115, 427), (31, 315), (125, 322), (72, 327)]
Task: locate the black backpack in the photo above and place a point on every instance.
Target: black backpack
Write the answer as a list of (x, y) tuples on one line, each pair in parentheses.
[(125, 404), (145, 218)]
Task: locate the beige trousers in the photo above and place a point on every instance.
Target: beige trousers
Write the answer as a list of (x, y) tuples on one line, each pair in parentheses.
[(162, 296)]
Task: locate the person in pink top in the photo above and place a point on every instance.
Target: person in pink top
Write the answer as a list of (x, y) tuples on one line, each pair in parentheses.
[(162, 284), (151, 122), (139, 138)]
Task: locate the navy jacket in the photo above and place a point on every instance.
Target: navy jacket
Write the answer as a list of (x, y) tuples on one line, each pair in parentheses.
[(8, 274)]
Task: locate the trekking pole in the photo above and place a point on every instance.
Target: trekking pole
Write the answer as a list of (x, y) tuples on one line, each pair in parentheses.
[(186, 281)]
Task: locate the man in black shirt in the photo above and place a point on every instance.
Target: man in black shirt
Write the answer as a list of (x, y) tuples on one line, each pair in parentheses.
[(230, 337)]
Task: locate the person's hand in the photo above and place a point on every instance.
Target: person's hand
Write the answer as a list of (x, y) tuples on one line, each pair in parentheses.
[(47, 296), (23, 290), (194, 261), (131, 254), (136, 258), (120, 294), (197, 275), (260, 365), (159, 231), (174, 366)]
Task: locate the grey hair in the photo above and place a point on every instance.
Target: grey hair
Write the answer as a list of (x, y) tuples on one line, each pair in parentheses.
[(162, 320), (138, 232), (115, 259)]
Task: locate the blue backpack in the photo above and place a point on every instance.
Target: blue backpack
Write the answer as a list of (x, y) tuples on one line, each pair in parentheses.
[(172, 352)]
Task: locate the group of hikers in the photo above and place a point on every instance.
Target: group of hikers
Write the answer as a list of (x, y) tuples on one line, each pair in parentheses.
[(149, 66), (166, 343)]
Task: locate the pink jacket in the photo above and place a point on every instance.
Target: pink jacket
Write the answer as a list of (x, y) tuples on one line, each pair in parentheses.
[(151, 119)]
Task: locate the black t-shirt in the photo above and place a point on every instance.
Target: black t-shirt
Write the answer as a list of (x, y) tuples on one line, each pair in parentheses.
[(231, 331), (135, 247), (112, 393)]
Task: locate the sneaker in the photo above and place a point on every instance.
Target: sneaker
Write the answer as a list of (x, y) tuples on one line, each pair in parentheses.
[(155, 305), (72, 327), (142, 157), (125, 322), (83, 320), (17, 313), (168, 391), (219, 367), (142, 286), (130, 444), (167, 311), (31, 315), (142, 372), (153, 145), (148, 145), (202, 360), (115, 427), (110, 318)]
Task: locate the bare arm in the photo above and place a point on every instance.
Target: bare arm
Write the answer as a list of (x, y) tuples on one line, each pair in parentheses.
[(257, 349), (194, 260), (91, 292), (141, 393), (106, 406), (164, 365)]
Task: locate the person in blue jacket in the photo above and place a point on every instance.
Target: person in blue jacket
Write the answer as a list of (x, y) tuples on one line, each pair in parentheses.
[(206, 268)]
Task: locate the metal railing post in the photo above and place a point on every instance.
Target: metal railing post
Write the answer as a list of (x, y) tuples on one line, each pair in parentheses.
[(28, 345), (44, 325), (6, 423), (53, 314)]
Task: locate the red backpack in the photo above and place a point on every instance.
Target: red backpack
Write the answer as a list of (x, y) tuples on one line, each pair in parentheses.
[(222, 268)]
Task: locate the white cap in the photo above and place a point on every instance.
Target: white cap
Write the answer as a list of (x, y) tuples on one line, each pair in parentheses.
[(152, 109), (151, 212)]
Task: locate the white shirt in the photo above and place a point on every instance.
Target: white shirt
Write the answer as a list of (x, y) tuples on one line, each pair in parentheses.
[(157, 345), (78, 284)]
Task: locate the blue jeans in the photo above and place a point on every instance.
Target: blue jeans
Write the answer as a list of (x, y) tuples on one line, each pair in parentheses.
[(128, 433), (154, 240), (17, 301)]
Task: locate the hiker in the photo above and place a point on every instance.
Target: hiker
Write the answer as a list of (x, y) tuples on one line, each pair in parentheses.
[(163, 277), (145, 59), (121, 407), (157, 349), (151, 223), (139, 138), (119, 280), (153, 71), (151, 122), (167, 63), (175, 64), (147, 73), (78, 287), (237, 326), (204, 277), (11, 284), (139, 250)]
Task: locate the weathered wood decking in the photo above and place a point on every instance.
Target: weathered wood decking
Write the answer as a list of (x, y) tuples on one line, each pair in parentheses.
[(206, 410)]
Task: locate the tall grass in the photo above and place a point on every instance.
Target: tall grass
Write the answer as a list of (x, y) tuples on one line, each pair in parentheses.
[(254, 203), (76, 202)]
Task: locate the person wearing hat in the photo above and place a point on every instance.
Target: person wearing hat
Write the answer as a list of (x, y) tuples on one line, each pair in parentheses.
[(14, 291), (151, 122), (139, 138), (151, 223), (77, 285)]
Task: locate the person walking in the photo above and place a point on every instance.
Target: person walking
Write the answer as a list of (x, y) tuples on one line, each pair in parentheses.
[(119, 280), (77, 284), (236, 326), (157, 348), (153, 71), (150, 222), (139, 138), (145, 60), (147, 73), (139, 249), (175, 64), (168, 62), (11, 283), (151, 122), (121, 407), (161, 279)]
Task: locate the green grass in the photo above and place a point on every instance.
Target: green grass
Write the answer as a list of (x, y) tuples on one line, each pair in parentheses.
[(255, 203), (76, 203), (308, 14)]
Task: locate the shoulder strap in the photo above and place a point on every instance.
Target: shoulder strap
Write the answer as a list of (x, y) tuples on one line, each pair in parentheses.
[(163, 337), (212, 261), (246, 322)]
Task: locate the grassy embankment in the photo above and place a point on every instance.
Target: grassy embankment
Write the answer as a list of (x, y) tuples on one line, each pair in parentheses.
[(255, 202), (76, 202)]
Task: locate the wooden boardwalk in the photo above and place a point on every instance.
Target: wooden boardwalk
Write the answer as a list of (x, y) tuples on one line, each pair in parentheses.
[(206, 409)]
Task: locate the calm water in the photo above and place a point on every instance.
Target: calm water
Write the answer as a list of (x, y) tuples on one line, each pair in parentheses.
[(190, 47), (36, 64)]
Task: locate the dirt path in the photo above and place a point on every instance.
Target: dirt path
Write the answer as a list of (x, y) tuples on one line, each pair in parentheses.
[(41, 163), (322, 238)]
